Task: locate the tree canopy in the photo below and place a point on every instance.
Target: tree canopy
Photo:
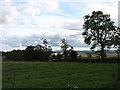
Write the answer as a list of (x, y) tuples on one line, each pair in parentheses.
[(99, 31)]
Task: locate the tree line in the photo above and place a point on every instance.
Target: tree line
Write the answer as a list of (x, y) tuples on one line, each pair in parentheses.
[(99, 32), (42, 53)]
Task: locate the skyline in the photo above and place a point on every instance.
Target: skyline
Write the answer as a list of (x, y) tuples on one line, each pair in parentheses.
[(25, 22)]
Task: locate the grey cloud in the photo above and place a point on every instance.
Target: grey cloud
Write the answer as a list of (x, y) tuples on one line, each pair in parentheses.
[(12, 42), (72, 26), (54, 41), (73, 40), (7, 12)]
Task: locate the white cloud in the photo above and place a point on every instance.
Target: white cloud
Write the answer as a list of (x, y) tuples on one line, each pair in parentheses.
[(81, 0), (18, 13), (107, 8), (7, 12), (44, 25), (73, 25), (26, 21), (44, 18), (38, 7), (87, 1)]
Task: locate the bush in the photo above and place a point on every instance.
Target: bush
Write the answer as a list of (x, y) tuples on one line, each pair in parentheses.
[(29, 54), (97, 60)]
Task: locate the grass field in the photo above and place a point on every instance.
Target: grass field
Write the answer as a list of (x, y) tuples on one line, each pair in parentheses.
[(58, 75)]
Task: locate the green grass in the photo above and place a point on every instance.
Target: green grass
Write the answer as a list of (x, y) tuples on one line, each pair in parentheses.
[(58, 75)]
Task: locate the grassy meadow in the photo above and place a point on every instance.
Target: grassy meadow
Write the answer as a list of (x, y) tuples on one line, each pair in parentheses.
[(58, 75)]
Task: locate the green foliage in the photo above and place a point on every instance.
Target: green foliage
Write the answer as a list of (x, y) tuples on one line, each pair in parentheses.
[(68, 50), (73, 55), (116, 40), (99, 30), (38, 52), (64, 46), (98, 60), (15, 55)]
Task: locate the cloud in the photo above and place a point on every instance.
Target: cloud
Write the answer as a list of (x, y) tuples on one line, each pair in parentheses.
[(26, 22), (18, 13), (85, 1), (7, 12), (44, 25), (54, 41), (73, 25), (108, 8), (37, 7)]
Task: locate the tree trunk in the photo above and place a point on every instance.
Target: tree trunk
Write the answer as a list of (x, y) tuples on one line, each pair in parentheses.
[(118, 54), (65, 55), (118, 51), (103, 54)]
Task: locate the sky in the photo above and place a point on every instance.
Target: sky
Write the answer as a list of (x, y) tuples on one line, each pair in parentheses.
[(26, 22)]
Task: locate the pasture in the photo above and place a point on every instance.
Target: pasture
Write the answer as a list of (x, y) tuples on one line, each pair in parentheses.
[(58, 75)]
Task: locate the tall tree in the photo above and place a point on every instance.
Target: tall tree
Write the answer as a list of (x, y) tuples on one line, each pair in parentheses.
[(68, 50), (64, 47), (73, 54), (98, 31), (45, 43)]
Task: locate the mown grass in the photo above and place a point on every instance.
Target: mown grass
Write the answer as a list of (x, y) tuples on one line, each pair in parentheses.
[(58, 75)]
